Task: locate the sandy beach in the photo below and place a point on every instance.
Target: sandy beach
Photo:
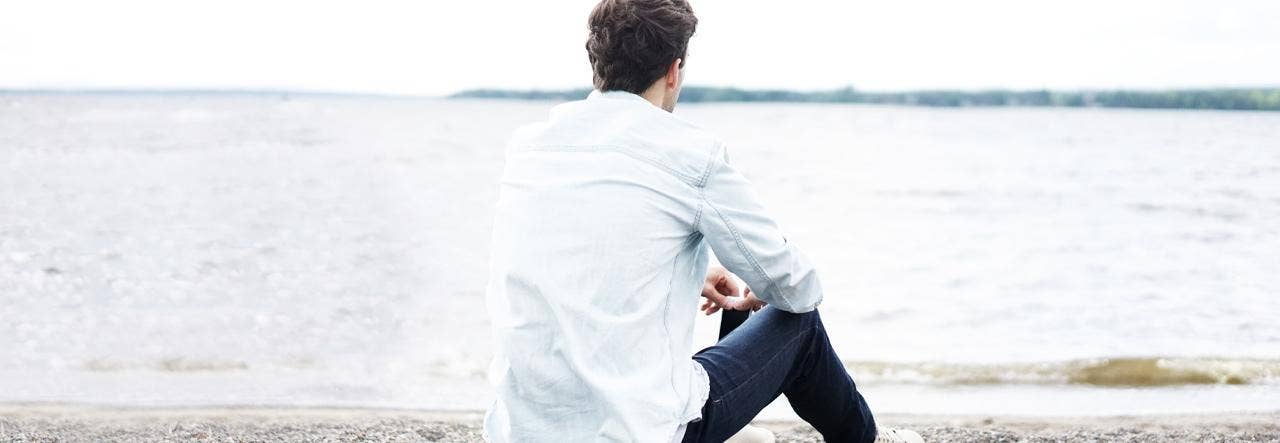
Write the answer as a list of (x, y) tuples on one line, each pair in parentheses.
[(74, 423)]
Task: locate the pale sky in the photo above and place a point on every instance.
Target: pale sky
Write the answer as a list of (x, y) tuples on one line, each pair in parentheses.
[(424, 47)]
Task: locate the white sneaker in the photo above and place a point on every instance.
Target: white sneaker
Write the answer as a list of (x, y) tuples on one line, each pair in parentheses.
[(752, 434), (893, 435)]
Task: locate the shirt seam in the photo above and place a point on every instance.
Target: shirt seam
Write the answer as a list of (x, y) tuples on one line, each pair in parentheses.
[(688, 180), (666, 329), (697, 218), (737, 241), (702, 183), (706, 170)]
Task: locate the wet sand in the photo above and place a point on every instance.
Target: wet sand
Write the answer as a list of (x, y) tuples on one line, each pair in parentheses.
[(75, 423)]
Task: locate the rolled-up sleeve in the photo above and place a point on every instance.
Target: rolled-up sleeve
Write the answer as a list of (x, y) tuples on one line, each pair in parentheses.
[(749, 243)]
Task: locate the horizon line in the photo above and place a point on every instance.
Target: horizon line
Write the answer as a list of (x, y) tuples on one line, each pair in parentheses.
[(351, 93)]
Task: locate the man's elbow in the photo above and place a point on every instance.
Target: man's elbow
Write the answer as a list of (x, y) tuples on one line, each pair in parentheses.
[(797, 296)]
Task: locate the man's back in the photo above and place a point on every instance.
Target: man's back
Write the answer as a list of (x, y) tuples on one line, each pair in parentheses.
[(596, 269), (598, 260)]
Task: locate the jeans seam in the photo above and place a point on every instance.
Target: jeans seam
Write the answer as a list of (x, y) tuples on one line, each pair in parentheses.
[(808, 369)]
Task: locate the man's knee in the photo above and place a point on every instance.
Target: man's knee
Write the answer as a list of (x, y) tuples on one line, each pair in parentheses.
[(810, 317), (802, 320)]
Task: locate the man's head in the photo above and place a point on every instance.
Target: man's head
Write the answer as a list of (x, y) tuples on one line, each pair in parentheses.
[(639, 46)]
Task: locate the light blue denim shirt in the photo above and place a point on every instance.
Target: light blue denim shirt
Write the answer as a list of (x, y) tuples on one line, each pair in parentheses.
[(597, 263)]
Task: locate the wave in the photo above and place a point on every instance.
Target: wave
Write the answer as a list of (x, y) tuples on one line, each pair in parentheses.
[(1115, 372), (166, 365)]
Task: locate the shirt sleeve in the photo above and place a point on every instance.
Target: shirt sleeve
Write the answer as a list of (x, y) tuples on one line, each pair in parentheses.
[(749, 243)]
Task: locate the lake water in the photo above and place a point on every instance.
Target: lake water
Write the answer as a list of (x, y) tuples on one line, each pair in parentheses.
[(310, 250)]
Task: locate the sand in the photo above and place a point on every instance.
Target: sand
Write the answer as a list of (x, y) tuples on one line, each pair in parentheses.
[(75, 423)]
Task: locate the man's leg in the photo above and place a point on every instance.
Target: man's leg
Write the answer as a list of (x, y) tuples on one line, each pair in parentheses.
[(775, 353)]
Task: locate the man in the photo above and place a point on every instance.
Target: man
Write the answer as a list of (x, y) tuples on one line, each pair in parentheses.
[(603, 222)]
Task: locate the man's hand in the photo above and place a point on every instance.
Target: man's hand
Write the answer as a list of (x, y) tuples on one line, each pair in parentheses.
[(721, 292)]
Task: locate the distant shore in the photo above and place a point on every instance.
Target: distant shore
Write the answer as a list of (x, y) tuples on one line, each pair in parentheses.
[(1246, 99), (73, 423), (1232, 99)]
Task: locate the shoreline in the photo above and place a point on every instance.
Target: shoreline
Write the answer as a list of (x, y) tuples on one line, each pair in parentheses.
[(79, 422)]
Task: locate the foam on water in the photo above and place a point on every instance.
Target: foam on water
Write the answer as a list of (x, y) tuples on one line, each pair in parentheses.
[(1125, 372), (233, 249)]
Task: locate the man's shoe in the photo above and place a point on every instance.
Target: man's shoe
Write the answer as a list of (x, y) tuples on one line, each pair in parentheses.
[(892, 435), (752, 434)]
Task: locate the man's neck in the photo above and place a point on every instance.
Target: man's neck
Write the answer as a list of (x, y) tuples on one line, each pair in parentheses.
[(655, 94)]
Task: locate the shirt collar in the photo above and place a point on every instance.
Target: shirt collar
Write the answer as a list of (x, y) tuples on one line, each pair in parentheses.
[(616, 95)]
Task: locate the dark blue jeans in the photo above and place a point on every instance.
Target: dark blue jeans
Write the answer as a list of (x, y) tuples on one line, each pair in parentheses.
[(779, 353)]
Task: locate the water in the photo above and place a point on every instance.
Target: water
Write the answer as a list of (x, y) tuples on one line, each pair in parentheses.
[(253, 249)]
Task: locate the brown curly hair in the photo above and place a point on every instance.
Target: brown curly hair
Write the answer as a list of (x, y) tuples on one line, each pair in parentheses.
[(632, 42)]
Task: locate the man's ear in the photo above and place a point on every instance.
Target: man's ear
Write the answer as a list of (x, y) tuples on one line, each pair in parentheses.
[(673, 74)]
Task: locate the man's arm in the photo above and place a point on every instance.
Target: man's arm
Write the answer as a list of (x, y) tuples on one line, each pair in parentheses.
[(749, 243)]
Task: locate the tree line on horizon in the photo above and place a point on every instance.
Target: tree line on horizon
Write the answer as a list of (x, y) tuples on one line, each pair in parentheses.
[(1252, 99)]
